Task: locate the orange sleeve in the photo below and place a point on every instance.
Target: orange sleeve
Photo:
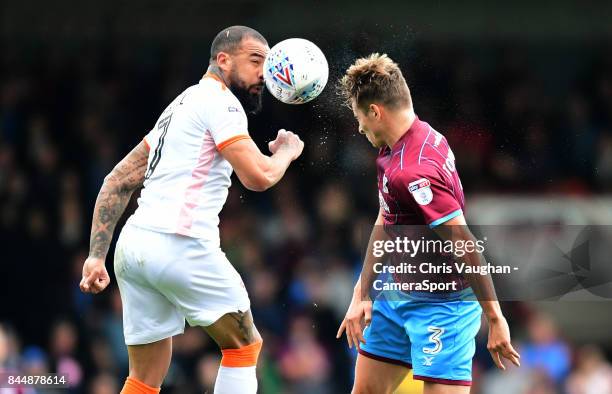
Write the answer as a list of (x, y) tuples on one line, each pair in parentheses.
[(230, 141)]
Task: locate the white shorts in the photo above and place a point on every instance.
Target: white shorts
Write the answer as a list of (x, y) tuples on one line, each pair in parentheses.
[(167, 278)]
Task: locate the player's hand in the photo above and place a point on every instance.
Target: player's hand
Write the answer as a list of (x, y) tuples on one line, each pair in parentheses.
[(274, 145), (358, 316), (289, 141), (95, 277), (499, 343)]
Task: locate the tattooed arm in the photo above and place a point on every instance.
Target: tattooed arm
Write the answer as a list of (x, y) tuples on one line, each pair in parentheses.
[(112, 200)]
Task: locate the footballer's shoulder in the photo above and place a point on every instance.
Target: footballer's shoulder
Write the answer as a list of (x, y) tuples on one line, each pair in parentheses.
[(418, 170)]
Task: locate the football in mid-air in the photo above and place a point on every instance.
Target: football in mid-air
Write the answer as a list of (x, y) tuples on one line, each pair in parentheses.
[(295, 71)]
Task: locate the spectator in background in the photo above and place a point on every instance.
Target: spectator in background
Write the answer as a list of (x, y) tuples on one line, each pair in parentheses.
[(71, 212), (8, 349), (206, 372), (187, 352), (102, 357), (544, 350), (287, 223), (34, 361), (264, 295), (540, 383), (4, 348), (104, 383), (593, 374), (304, 363), (113, 331), (64, 338)]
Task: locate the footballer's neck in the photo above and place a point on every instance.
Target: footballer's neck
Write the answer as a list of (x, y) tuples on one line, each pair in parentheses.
[(398, 124), (216, 70)]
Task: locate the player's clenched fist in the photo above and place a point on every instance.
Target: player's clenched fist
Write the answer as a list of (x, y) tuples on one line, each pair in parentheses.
[(289, 141), (95, 277)]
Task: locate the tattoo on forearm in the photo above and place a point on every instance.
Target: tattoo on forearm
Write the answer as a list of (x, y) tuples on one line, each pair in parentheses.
[(113, 198)]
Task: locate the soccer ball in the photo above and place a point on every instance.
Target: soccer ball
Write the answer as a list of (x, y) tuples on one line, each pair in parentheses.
[(295, 71)]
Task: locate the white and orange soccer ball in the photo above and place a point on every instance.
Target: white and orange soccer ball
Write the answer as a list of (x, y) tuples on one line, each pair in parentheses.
[(295, 71)]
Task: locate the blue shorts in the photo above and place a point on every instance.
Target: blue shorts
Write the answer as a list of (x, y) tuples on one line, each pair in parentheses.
[(432, 335)]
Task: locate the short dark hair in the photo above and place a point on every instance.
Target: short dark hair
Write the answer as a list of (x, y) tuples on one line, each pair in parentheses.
[(230, 38)]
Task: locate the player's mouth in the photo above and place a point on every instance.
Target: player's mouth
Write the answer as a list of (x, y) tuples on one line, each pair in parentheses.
[(257, 89)]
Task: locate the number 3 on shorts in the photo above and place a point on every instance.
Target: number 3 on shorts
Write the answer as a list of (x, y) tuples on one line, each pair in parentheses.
[(435, 339)]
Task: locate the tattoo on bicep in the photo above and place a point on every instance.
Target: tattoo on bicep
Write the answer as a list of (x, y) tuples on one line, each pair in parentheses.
[(113, 198)]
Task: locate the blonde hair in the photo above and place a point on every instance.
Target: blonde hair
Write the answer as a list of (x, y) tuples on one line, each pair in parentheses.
[(375, 78)]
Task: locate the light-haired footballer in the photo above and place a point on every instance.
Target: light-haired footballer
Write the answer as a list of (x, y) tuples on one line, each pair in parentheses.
[(418, 185), (168, 261)]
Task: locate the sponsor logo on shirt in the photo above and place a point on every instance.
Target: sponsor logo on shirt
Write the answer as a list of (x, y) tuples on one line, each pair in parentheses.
[(421, 191)]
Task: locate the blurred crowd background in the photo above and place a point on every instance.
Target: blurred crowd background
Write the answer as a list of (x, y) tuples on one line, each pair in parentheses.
[(526, 106)]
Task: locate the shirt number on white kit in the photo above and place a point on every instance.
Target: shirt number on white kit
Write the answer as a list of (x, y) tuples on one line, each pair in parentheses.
[(435, 339), (163, 126)]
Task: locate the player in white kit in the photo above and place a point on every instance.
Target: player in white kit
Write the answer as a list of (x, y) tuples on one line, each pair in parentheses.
[(168, 261)]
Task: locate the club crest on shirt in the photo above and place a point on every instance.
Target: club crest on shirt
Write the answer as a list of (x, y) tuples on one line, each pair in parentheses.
[(421, 191)]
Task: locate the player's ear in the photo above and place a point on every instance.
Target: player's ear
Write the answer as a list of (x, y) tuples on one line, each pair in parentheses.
[(224, 60), (375, 111)]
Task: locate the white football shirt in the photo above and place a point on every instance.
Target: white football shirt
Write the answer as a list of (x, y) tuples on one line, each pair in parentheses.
[(187, 179)]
